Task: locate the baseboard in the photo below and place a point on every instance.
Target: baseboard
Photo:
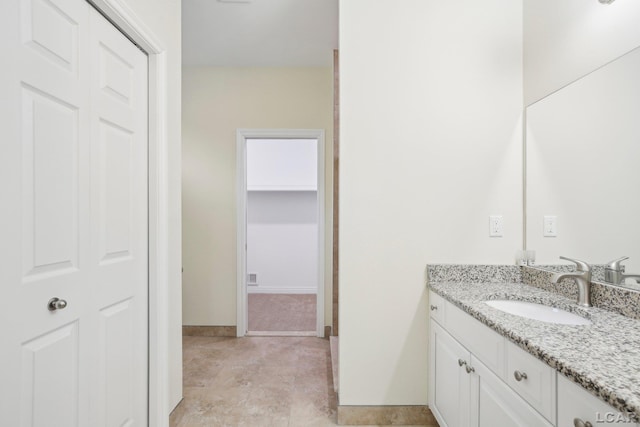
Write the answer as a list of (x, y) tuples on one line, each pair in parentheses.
[(386, 415), (209, 331), (327, 332), (333, 346)]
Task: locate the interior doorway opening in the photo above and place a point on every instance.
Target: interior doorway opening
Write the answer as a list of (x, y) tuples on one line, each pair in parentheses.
[(281, 232)]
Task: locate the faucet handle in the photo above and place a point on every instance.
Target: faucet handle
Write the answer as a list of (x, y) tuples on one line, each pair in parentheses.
[(581, 265), (615, 264)]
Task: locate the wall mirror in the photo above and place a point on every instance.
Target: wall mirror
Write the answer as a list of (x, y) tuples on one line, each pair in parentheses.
[(583, 168)]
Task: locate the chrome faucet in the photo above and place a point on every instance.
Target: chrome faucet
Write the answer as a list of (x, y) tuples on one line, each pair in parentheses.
[(582, 276), (614, 272)]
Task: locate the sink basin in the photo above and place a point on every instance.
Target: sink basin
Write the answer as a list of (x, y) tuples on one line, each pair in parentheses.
[(539, 312)]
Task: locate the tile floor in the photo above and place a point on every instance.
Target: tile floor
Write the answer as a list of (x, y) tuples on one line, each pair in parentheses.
[(256, 382)]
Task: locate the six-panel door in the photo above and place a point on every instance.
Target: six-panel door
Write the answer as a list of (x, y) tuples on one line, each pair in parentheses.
[(73, 112)]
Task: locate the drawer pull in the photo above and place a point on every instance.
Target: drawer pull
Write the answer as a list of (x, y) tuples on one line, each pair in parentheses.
[(577, 422), (434, 307), (469, 369), (461, 362), (523, 376)]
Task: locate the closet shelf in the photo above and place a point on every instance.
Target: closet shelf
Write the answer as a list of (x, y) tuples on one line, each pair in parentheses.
[(281, 188)]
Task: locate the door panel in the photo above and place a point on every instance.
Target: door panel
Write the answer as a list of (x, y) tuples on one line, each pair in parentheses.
[(119, 223), (50, 190), (117, 363), (51, 28), (115, 192), (50, 362), (116, 75)]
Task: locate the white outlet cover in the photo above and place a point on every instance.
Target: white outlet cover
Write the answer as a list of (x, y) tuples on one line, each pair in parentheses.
[(550, 226), (495, 226)]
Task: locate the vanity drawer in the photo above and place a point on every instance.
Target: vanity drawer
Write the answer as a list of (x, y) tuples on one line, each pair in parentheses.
[(486, 344), (574, 402), (437, 306), (532, 379)]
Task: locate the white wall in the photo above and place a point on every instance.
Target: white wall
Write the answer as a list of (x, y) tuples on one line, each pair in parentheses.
[(565, 40), (216, 102), (282, 241), (431, 103), (162, 17)]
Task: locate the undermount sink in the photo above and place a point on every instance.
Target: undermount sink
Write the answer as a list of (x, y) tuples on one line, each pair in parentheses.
[(541, 312)]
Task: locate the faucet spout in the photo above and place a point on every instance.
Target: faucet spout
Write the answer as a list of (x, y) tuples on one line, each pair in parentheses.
[(582, 277), (614, 272)]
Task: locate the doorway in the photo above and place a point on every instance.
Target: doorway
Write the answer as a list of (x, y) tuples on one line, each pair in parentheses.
[(280, 232)]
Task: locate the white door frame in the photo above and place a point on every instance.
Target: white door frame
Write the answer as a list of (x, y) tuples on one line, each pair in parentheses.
[(241, 232), (135, 29)]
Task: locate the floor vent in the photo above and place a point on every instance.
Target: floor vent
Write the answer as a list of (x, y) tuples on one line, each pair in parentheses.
[(252, 279)]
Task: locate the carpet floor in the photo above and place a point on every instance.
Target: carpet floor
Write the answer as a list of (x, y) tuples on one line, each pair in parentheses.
[(282, 312)]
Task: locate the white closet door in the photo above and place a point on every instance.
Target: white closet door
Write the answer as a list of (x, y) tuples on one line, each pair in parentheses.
[(73, 220), (118, 79)]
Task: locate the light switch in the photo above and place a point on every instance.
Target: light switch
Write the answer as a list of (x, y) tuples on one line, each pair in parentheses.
[(550, 226)]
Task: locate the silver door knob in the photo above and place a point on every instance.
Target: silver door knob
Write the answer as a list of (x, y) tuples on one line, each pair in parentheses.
[(434, 307), (520, 375), (56, 304), (577, 422), (461, 362), (470, 369)]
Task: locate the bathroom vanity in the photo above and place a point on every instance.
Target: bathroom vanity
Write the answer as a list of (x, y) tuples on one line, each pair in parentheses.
[(491, 368)]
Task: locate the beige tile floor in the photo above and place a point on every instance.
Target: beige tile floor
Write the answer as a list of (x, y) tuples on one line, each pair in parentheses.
[(256, 382)]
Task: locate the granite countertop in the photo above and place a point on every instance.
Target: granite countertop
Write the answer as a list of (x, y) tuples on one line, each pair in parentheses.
[(603, 357)]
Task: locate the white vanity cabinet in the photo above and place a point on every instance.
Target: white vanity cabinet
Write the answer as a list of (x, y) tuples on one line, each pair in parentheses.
[(494, 403), (477, 378), (451, 383), (577, 407), (467, 387)]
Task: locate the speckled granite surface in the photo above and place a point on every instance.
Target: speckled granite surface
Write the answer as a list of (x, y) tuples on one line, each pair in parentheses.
[(473, 273), (602, 357)]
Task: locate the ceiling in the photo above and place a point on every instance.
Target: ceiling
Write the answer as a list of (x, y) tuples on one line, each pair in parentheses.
[(265, 33)]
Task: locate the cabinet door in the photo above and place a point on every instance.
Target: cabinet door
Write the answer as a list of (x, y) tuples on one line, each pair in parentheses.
[(450, 383), (493, 403), (575, 404)]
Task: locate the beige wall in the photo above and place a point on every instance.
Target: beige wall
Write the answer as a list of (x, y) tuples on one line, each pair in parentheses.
[(216, 102), (564, 40), (430, 146), (162, 17)]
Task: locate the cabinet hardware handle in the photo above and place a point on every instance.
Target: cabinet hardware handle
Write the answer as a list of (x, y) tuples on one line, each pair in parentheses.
[(461, 362), (577, 422), (520, 375), (434, 307), (470, 369)]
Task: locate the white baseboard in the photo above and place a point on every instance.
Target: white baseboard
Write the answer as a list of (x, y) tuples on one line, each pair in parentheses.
[(274, 290)]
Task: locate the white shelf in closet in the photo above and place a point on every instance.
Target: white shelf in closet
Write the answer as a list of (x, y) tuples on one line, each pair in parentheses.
[(281, 188)]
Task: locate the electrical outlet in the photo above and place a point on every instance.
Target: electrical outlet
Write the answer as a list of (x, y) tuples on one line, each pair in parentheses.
[(550, 226), (495, 226)]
